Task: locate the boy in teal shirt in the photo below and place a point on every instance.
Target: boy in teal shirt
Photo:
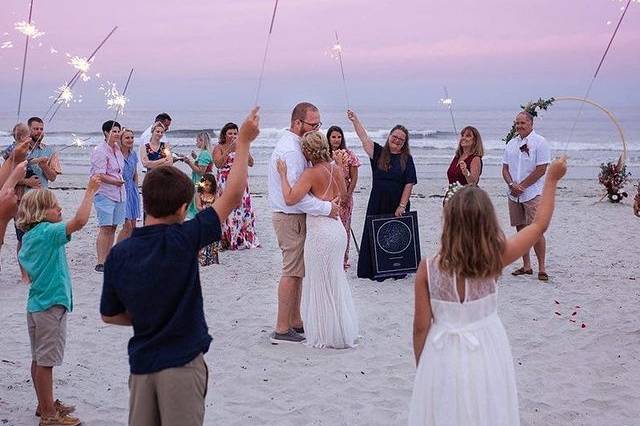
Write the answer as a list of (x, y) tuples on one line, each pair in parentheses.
[(44, 258)]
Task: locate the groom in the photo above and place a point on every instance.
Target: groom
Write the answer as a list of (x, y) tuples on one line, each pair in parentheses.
[(289, 222)]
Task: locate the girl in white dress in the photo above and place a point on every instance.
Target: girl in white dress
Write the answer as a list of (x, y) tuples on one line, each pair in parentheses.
[(327, 307), (465, 372)]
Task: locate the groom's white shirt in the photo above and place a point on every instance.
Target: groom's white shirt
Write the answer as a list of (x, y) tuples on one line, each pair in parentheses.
[(288, 149)]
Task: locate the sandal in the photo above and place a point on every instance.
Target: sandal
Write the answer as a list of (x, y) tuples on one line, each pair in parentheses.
[(522, 271), (543, 276)]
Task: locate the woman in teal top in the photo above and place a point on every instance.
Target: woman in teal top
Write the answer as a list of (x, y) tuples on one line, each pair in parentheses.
[(200, 164)]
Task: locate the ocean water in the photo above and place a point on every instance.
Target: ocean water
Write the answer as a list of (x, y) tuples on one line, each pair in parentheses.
[(594, 140)]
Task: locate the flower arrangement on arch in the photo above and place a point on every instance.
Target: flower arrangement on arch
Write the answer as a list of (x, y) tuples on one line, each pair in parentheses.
[(532, 108), (614, 176)]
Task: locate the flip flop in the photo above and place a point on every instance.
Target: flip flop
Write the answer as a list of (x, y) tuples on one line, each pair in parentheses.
[(522, 271), (542, 276)]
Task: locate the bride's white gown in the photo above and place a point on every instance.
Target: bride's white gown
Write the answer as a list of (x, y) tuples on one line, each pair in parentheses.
[(328, 312)]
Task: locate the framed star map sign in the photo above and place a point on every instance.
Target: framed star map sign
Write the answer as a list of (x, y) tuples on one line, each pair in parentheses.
[(396, 244)]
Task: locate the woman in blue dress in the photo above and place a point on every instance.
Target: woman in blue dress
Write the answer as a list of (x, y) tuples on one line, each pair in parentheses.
[(394, 175), (130, 176)]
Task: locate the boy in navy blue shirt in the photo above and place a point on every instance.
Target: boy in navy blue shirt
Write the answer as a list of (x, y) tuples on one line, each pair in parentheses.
[(152, 282)]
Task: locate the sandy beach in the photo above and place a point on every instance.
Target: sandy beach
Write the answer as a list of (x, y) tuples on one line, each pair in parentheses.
[(575, 340)]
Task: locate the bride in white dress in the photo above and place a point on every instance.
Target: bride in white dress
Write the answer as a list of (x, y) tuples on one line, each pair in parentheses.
[(328, 312)]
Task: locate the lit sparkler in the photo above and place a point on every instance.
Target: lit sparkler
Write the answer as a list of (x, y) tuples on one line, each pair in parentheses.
[(266, 51), (337, 54), (76, 142), (29, 29), (595, 74), (82, 65), (77, 75), (115, 100), (448, 102), (64, 95)]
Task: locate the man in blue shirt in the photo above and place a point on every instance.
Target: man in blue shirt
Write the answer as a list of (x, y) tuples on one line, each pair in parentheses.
[(152, 282)]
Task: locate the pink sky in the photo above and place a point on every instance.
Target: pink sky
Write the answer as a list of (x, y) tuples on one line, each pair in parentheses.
[(395, 52)]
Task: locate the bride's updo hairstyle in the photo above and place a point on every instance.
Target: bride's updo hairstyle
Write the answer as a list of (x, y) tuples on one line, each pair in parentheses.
[(315, 147)]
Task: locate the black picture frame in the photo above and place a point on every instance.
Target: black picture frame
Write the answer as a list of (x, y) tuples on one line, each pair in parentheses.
[(395, 243)]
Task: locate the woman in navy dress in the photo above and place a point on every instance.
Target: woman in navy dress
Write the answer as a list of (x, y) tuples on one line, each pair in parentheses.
[(394, 175)]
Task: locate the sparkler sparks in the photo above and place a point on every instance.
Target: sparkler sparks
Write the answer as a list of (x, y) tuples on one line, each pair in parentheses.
[(6, 45), (115, 99), (82, 65), (64, 95), (28, 29), (76, 142), (446, 102)]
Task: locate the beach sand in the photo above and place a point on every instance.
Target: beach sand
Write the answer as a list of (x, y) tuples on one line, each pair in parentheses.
[(585, 372)]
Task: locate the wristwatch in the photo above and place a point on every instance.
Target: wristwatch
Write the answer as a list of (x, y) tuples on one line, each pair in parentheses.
[(510, 184)]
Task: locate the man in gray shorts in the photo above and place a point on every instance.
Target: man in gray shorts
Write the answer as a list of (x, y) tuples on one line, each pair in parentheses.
[(289, 222), (524, 163)]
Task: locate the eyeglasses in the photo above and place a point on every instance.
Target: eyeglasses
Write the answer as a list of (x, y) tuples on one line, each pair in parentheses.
[(314, 126), (398, 138)]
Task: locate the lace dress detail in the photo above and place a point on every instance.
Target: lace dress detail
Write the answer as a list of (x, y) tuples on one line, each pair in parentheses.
[(328, 312), (465, 375)]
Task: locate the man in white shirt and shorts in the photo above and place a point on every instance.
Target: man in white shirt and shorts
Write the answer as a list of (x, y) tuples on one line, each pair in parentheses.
[(524, 164), (289, 222)]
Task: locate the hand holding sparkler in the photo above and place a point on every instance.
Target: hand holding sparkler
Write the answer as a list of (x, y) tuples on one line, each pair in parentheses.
[(250, 128), (94, 184)]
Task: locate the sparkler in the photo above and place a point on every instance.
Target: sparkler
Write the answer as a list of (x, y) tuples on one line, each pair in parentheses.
[(595, 74), (337, 53), (82, 65), (65, 95), (76, 76), (28, 28), (30, 31), (266, 51), (448, 102), (76, 142)]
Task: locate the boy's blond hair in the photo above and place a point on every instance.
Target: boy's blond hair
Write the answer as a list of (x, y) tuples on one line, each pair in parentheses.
[(472, 241), (33, 208)]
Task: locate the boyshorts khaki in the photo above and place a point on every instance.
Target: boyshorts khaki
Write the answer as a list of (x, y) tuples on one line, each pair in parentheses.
[(48, 335), (173, 396), (522, 214), (291, 231)]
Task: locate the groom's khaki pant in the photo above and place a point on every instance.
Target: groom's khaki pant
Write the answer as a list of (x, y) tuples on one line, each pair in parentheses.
[(291, 231)]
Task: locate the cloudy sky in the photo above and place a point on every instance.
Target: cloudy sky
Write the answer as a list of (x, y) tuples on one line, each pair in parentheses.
[(199, 54)]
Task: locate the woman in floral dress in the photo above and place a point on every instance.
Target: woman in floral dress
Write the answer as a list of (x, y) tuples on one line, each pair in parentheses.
[(350, 164), (238, 231), (205, 197)]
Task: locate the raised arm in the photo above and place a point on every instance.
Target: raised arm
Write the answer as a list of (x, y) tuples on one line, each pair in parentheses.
[(237, 182), (17, 156), (84, 210), (367, 143), (353, 173), (520, 243)]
